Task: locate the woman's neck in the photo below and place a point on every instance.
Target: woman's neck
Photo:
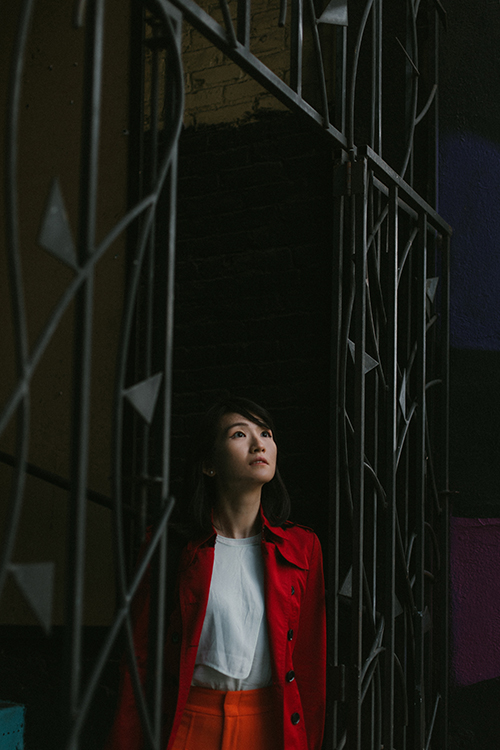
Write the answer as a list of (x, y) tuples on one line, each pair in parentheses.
[(237, 517)]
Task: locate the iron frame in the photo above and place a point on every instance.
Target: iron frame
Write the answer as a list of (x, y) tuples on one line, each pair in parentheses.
[(385, 489)]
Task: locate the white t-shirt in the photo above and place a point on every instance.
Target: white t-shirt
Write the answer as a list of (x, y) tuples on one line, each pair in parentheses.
[(233, 653)]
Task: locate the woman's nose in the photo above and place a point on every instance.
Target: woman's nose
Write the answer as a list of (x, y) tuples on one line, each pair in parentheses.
[(258, 445)]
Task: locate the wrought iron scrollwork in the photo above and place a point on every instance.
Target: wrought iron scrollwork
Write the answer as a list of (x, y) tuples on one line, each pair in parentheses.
[(83, 257), (388, 531)]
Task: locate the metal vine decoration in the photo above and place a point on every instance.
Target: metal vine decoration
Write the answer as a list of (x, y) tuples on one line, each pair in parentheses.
[(389, 330), (83, 257)]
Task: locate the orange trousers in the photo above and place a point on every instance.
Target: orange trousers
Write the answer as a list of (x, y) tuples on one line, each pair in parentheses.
[(232, 720)]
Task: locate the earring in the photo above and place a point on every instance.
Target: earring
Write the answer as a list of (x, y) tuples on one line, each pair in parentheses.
[(211, 472)]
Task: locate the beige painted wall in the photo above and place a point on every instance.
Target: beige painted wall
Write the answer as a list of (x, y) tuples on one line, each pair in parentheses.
[(49, 146)]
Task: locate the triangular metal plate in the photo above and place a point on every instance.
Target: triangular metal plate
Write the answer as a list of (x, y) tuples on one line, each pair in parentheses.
[(402, 395), (144, 395), (398, 609), (55, 233), (346, 588), (335, 13), (369, 362), (36, 581), (426, 620), (431, 287)]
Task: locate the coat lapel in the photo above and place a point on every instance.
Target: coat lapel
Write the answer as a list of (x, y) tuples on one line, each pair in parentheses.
[(194, 586)]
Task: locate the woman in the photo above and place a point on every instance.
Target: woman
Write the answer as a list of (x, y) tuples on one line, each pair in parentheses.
[(245, 650)]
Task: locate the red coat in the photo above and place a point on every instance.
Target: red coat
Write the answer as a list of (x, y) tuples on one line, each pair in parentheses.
[(295, 610)]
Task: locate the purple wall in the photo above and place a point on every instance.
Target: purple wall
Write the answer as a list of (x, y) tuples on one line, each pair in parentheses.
[(469, 199), (475, 600)]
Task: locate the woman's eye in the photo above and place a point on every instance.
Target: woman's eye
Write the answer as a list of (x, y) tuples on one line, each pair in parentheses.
[(266, 433), (238, 433)]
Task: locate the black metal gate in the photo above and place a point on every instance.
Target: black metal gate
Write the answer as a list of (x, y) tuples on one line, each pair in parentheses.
[(387, 556)]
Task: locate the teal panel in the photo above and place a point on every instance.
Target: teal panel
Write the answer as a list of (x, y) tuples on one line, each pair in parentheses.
[(11, 726)]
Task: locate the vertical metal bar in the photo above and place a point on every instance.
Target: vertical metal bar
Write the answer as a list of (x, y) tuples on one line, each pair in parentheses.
[(340, 77), (433, 127), (167, 417), (354, 73), (162, 572), (146, 324), (359, 220), (319, 63), (374, 66), (420, 376), (228, 23), (16, 282), (296, 45), (378, 127), (336, 415), (411, 90), (83, 349), (391, 467), (137, 187), (155, 676), (243, 23)]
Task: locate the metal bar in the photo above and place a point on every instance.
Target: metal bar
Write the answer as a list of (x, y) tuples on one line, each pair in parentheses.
[(354, 74), (243, 23), (336, 416), (150, 721), (319, 63), (167, 415), (57, 481), (17, 294), (296, 45), (378, 131), (252, 65), (391, 466), (415, 201), (382, 467), (88, 693), (65, 301), (231, 36), (420, 374), (83, 349), (340, 78), (412, 90), (433, 720), (359, 219)]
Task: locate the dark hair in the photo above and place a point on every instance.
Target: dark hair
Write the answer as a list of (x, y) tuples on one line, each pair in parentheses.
[(199, 490)]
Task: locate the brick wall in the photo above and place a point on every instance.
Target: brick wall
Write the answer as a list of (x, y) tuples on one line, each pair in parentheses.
[(218, 91), (253, 288)]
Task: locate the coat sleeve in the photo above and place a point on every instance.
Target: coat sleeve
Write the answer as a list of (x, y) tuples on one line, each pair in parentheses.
[(126, 732), (310, 650)]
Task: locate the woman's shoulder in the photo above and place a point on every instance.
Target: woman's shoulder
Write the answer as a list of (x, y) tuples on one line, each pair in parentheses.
[(298, 533), (297, 528), (298, 544)]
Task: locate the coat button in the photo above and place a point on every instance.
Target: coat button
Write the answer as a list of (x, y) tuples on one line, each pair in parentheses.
[(290, 676), (293, 590), (290, 635), (295, 718), (176, 638)]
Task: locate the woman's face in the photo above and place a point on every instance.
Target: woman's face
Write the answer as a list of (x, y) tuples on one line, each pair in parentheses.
[(244, 453)]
